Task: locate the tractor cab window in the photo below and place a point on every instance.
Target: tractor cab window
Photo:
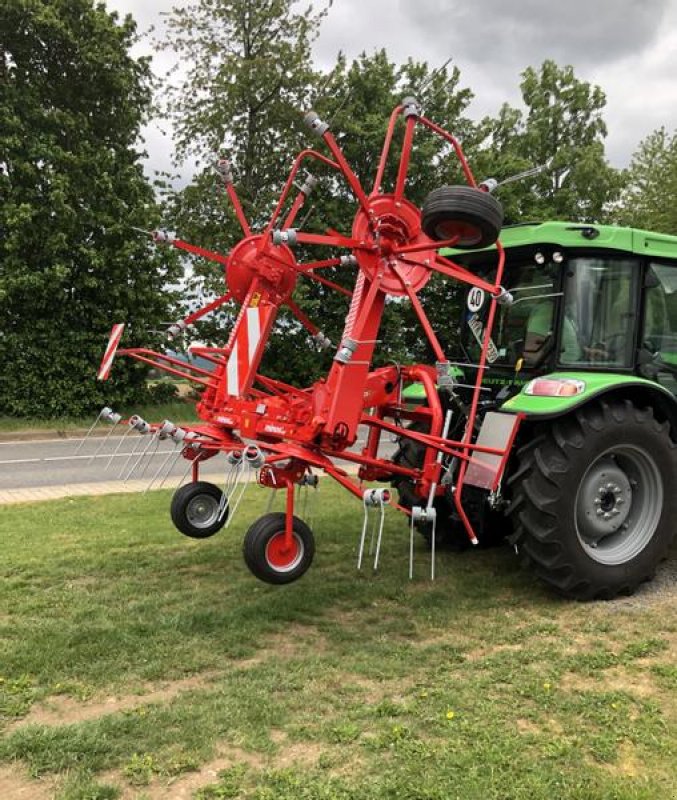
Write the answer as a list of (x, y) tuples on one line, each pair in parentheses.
[(599, 312), (658, 344), (525, 329)]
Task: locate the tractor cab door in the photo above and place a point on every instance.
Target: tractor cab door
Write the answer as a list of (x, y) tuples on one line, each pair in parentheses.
[(657, 354), (600, 312)]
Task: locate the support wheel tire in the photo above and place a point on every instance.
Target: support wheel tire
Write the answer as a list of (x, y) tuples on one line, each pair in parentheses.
[(471, 214), (195, 510), (595, 500), (265, 554)]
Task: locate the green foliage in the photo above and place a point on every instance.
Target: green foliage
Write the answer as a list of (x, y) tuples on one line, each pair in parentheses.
[(648, 199), (356, 99), (562, 126), (359, 99), (72, 101), (163, 392)]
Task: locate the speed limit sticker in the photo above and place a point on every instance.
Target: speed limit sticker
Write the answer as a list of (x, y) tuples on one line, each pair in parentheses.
[(475, 299)]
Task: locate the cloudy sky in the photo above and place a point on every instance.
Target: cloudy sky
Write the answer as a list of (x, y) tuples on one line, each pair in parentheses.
[(628, 47)]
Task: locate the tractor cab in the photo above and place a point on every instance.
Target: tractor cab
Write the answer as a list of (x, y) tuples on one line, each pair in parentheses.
[(586, 299)]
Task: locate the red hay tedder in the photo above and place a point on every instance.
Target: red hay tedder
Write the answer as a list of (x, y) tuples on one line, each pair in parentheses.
[(284, 432)]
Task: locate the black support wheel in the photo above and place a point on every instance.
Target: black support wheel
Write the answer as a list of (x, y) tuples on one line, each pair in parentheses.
[(471, 214), (595, 500), (197, 511), (267, 554)]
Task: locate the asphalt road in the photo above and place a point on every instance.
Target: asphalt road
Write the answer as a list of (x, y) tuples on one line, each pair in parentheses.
[(60, 462)]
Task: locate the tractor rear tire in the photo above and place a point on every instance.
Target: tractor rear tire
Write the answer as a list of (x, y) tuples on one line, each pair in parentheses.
[(195, 510), (595, 500), (471, 214), (264, 551)]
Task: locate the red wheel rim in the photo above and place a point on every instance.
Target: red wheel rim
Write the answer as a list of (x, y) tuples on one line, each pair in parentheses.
[(282, 558), (467, 233)]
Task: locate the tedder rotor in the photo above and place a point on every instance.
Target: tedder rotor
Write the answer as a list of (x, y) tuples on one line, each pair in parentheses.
[(285, 433)]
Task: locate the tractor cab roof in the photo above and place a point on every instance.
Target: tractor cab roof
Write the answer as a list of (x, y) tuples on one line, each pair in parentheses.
[(578, 235)]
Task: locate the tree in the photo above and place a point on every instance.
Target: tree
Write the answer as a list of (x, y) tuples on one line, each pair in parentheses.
[(648, 199), (359, 99), (241, 95), (249, 75), (562, 126), (72, 100)]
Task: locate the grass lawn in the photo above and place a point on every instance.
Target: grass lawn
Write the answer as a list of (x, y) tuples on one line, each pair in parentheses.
[(136, 663)]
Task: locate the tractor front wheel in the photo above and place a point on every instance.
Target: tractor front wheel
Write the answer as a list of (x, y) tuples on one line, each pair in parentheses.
[(595, 500), (196, 509), (267, 554)]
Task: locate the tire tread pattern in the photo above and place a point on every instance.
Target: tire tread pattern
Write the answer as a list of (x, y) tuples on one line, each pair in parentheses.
[(536, 490)]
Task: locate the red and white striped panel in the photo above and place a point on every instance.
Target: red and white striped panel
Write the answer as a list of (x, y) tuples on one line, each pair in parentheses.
[(242, 362), (109, 355)]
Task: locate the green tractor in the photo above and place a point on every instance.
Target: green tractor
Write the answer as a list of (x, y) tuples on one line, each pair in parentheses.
[(587, 353)]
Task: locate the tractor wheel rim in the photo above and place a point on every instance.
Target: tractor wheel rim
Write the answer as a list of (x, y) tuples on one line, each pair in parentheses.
[(202, 511), (618, 505), (282, 558)]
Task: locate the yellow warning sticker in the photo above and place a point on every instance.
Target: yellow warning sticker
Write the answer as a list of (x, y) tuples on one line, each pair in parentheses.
[(256, 299)]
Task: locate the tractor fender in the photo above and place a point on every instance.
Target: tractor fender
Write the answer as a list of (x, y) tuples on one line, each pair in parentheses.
[(593, 386)]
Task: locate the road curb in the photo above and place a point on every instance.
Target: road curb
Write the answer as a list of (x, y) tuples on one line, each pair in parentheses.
[(39, 494)]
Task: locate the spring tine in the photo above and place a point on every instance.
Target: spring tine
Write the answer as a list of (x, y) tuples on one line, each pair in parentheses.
[(240, 489), (186, 471), (432, 550), (224, 503), (411, 549), (313, 503), (177, 455), (117, 449), (235, 461), (91, 428), (271, 501), (151, 456), (365, 521), (135, 449), (105, 439), (379, 537), (142, 455), (161, 468)]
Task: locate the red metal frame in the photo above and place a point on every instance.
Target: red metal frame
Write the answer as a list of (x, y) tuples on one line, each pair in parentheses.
[(299, 429)]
